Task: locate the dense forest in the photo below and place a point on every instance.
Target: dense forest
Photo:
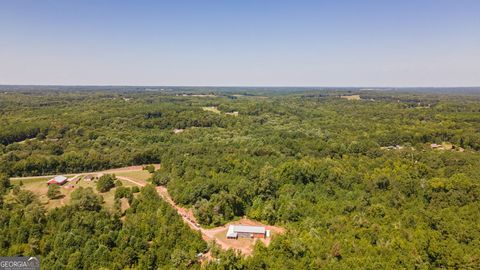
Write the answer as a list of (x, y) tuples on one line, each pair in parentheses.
[(387, 181)]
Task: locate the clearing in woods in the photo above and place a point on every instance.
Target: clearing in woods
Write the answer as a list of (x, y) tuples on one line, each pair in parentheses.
[(211, 109), (218, 234), (134, 175), (352, 97), (40, 188), (38, 185)]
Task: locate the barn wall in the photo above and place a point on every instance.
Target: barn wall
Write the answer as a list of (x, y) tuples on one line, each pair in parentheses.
[(250, 235), (259, 235)]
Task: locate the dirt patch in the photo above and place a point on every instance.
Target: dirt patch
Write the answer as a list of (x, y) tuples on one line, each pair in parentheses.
[(218, 234), (244, 245), (351, 97)]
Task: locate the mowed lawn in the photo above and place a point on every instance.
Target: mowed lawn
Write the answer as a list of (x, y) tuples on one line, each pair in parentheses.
[(140, 175), (40, 188), (35, 180)]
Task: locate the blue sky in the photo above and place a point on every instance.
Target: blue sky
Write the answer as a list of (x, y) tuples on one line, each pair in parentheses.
[(241, 43)]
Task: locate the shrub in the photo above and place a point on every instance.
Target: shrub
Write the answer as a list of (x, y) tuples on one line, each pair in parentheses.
[(149, 168), (53, 192), (160, 178), (105, 183)]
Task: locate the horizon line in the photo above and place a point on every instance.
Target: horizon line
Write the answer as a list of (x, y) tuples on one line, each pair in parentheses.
[(235, 86)]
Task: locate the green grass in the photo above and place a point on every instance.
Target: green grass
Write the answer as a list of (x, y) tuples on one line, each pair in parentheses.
[(140, 175), (40, 188), (34, 180)]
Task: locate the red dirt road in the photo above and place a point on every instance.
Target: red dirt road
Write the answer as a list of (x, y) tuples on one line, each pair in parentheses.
[(218, 234)]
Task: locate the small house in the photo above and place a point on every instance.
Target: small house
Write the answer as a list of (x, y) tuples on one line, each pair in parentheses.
[(244, 231), (57, 180)]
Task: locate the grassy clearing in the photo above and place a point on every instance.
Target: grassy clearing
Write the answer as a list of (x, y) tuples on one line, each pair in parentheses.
[(40, 188), (211, 109), (38, 185), (140, 175), (34, 180)]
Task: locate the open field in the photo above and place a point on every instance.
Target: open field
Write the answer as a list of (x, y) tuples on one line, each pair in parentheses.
[(140, 175), (33, 179), (40, 188), (129, 176), (111, 171), (129, 168), (136, 176)]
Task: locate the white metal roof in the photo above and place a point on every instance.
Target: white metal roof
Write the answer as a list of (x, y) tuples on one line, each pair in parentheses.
[(247, 229), (231, 232), (60, 178)]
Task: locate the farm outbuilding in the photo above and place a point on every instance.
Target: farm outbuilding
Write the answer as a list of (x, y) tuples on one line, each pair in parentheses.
[(244, 231), (88, 177), (57, 180)]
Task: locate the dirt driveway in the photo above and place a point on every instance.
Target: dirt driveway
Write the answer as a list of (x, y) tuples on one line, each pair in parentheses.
[(218, 234)]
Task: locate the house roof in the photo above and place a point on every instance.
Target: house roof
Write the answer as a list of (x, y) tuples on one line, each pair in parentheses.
[(59, 178), (231, 232), (234, 229)]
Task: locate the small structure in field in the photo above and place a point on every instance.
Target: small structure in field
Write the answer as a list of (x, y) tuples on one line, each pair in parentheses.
[(244, 231), (57, 180), (232, 113), (88, 177), (178, 130)]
